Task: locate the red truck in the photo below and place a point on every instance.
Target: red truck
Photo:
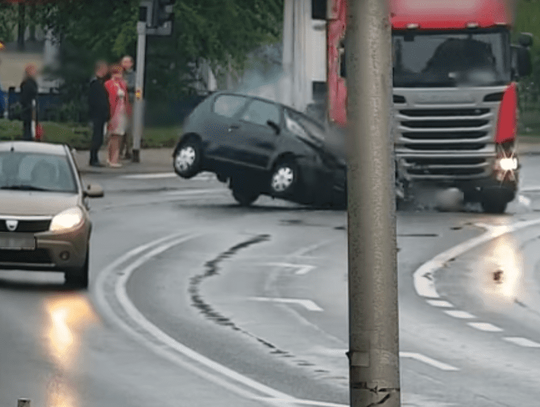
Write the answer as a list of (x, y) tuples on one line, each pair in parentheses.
[(455, 75)]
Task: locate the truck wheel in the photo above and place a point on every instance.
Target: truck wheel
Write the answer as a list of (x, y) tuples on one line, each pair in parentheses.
[(495, 206), (188, 158)]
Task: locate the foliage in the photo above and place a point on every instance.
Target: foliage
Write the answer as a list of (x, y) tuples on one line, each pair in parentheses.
[(220, 32), (8, 22)]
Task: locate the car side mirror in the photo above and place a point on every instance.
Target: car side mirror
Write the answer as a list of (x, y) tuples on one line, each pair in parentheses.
[(274, 125), (94, 191)]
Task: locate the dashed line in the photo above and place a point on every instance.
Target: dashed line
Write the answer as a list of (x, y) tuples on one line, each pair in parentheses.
[(429, 361), (307, 304), (440, 304), (486, 327), (460, 314), (526, 343)]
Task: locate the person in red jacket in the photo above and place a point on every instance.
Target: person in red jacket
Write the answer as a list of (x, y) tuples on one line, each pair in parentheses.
[(120, 112)]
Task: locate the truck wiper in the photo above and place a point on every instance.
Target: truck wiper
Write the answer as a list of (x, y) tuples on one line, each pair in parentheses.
[(22, 187)]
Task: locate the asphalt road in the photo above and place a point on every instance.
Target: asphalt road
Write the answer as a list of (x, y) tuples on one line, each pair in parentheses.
[(197, 302)]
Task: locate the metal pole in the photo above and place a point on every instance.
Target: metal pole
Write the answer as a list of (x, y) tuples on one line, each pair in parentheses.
[(288, 52), (373, 307), (138, 109)]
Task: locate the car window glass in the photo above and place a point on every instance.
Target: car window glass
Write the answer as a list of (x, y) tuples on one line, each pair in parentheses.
[(229, 105), (41, 171), (259, 112), (303, 126), (294, 127)]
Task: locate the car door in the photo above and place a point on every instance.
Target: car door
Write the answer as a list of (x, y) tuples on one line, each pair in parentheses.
[(257, 139), (222, 128)]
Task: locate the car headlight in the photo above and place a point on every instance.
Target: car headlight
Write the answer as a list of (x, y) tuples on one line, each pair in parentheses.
[(508, 164), (67, 219)]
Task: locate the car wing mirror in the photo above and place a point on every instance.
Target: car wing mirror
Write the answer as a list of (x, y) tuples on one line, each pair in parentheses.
[(274, 125), (94, 191)]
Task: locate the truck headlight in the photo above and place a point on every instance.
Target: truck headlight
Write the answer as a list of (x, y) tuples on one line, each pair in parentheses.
[(67, 219), (508, 163)]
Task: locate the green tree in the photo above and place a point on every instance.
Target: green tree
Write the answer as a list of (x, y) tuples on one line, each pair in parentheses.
[(8, 22)]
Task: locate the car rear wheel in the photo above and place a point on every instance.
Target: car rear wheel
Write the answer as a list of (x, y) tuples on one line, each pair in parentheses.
[(78, 278), (284, 178), (187, 159)]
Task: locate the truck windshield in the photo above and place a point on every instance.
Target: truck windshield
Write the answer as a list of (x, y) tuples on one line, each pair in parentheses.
[(451, 59)]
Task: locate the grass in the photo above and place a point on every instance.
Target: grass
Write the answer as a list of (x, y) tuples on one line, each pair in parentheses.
[(78, 136)]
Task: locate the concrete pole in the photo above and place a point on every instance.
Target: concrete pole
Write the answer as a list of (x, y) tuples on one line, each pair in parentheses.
[(138, 109), (307, 35), (288, 53), (373, 306)]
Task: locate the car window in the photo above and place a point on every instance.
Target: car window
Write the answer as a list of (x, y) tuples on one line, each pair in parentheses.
[(36, 171), (229, 105), (259, 112), (303, 126)]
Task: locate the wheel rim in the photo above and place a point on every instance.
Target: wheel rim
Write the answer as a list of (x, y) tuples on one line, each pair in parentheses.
[(185, 158), (282, 179)]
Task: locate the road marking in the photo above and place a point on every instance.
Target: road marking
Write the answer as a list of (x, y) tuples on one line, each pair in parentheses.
[(156, 175), (307, 304), (459, 314), (187, 192), (524, 200), (424, 283), (301, 269), (429, 361), (440, 304), (530, 189), (526, 343), (483, 326)]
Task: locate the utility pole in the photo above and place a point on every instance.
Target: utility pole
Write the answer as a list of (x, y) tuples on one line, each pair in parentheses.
[(138, 109), (373, 307)]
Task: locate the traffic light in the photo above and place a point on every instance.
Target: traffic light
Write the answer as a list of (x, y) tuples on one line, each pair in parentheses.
[(163, 13)]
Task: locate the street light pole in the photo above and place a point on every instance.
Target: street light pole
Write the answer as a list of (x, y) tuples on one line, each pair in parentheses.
[(138, 109), (373, 307)]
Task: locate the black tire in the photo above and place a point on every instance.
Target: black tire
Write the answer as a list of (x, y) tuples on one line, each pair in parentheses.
[(188, 158), (285, 178), (78, 278), (245, 197), (494, 206)]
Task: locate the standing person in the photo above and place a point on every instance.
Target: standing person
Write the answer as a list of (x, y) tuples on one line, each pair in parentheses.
[(29, 93), (99, 110), (130, 78), (120, 111), (3, 104)]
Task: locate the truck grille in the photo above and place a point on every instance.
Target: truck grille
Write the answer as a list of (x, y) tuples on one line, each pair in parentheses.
[(27, 226), (452, 167)]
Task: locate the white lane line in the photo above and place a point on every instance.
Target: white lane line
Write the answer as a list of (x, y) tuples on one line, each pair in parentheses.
[(307, 304), (483, 326), (530, 189), (429, 361), (424, 283), (301, 269), (187, 192), (526, 343), (156, 175), (299, 402), (459, 314), (440, 304)]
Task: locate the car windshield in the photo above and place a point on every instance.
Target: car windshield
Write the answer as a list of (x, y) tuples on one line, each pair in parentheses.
[(449, 59), (36, 172), (303, 126)]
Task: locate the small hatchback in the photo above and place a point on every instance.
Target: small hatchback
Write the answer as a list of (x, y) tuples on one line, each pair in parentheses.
[(44, 221), (262, 148)]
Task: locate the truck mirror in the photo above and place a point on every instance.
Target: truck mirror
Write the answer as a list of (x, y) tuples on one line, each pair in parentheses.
[(342, 66), (525, 40), (524, 63)]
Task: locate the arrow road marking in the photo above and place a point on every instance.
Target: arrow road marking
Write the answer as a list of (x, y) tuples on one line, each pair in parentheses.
[(526, 343), (429, 361), (301, 269), (307, 304)]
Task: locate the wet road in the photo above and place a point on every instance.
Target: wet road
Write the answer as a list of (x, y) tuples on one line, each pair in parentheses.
[(195, 301)]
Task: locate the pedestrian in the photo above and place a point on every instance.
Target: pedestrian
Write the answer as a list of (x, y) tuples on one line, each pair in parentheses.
[(29, 93), (129, 77), (120, 109), (99, 110), (3, 104)]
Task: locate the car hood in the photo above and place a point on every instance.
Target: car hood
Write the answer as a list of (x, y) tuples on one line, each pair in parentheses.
[(35, 203)]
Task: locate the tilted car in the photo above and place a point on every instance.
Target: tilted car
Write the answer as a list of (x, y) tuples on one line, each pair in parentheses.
[(44, 221), (260, 147)]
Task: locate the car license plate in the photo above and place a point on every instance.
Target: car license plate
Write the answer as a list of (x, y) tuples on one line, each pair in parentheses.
[(11, 241)]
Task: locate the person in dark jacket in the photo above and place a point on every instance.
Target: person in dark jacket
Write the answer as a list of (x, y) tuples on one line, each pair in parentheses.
[(99, 111), (29, 93)]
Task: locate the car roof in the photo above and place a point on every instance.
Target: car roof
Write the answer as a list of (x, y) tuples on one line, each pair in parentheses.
[(216, 94), (33, 147)]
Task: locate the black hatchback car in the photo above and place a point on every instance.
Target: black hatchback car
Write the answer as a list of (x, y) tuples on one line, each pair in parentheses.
[(260, 147)]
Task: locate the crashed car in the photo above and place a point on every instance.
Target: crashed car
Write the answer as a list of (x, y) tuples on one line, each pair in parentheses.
[(260, 147)]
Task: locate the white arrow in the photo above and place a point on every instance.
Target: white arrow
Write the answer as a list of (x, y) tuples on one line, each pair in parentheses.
[(301, 269), (307, 304)]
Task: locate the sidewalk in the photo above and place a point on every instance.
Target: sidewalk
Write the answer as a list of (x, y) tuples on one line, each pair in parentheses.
[(157, 160)]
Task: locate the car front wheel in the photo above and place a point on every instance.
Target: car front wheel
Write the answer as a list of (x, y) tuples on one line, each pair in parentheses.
[(284, 178), (187, 160), (78, 278)]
